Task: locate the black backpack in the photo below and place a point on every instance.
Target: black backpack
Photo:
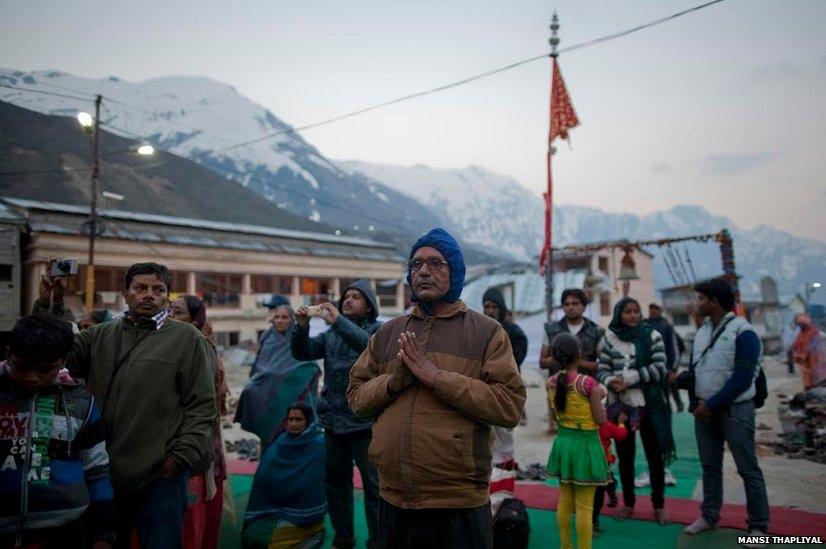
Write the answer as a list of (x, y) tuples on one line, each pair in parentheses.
[(761, 389), (511, 526)]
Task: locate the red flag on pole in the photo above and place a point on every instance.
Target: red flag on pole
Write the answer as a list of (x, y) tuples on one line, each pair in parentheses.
[(563, 118)]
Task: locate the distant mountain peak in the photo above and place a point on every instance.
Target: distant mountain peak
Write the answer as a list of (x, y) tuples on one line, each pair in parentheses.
[(199, 117)]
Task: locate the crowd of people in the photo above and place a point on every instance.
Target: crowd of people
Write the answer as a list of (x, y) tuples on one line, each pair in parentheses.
[(111, 433)]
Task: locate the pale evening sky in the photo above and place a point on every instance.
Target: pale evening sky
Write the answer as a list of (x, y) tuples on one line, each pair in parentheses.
[(724, 107)]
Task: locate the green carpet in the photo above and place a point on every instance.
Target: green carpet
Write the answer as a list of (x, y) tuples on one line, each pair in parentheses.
[(615, 535), (686, 469)]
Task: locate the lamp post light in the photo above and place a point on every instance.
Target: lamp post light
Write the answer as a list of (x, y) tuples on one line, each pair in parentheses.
[(145, 149), (91, 125)]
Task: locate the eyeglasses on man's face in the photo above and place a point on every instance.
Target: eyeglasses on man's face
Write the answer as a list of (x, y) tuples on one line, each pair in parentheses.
[(433, 263)]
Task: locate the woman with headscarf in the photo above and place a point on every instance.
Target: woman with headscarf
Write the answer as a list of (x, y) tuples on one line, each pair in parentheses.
[(808, 352), (276, 379), (632, 366), (202, 521), (287, 501)]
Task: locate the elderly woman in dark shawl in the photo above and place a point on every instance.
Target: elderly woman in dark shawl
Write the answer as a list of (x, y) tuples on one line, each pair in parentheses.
[(288, 501), (276, 379), (632, 366)]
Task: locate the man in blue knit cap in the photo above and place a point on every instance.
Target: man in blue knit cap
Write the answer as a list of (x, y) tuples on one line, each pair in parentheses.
[(437, 380)]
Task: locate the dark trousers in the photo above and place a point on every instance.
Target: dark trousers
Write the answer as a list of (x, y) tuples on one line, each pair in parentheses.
[(156, 512), (734, 425), (627, 451), (434, 528), (599, 496), (342, 451)]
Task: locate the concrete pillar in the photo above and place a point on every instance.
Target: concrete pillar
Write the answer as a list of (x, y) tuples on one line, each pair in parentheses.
[(191, 284), (295, 296), (246, 284), (36, 271), (336, 288)]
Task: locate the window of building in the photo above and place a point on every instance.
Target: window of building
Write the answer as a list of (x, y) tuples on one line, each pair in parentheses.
[(227, 339), (386, 293), (109, 286), (180, 282), (271, 284), (219, 289), (602, 262), (5, 273), (605, 304), (316, 287)]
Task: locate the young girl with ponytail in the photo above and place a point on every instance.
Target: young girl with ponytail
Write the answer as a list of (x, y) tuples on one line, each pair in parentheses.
[(577, 458)]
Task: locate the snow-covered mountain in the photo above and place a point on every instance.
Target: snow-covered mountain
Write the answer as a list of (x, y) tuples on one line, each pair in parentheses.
[(496, 210), (479, 202), (200, 118), (203, 119)]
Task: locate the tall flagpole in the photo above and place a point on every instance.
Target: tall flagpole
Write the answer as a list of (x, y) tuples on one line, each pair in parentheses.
[(549, 203)]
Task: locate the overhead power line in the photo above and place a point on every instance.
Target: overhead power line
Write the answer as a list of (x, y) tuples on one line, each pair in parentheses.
[(44, 92), (407, 97), (626, 32), (469, 79), (410, 96)]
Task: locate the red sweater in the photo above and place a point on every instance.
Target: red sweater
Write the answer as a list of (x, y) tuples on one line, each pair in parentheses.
[(609, 431)]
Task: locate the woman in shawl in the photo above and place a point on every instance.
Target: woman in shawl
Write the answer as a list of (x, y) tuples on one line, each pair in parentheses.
[(276, 379), (808, 352), (632, 366), (287, 501), (202, 521)]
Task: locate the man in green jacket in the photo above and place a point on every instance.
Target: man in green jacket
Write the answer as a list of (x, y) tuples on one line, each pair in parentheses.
[(152, 377)]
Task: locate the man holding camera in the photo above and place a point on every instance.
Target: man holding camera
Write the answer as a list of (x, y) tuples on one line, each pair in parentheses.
[(348, 437), (153, 379)]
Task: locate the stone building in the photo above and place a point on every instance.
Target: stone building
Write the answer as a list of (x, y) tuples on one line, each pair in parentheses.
[(10, 269), (233, 267)]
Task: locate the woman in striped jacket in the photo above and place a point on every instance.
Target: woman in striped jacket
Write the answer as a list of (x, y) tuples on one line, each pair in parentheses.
[(632, 366)]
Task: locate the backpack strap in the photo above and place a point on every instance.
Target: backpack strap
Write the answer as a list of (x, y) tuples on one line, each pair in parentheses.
[(717, 333)]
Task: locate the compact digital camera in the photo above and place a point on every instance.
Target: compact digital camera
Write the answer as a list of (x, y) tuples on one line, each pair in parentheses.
[(64, 267)]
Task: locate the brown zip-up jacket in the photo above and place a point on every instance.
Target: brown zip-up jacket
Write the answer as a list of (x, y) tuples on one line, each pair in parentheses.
[(432, 448)]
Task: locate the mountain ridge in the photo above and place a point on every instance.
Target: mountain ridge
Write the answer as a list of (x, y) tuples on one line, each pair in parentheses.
[(196, 117)]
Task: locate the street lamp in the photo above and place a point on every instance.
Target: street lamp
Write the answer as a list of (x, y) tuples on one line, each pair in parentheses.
[(145, 149), (86, 121), (91, 125)]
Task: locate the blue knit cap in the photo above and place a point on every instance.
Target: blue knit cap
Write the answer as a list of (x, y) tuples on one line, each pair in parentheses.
[(442, 240)]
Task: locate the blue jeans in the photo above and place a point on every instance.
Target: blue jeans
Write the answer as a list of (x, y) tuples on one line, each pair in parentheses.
[(734, 425), (156, 512)]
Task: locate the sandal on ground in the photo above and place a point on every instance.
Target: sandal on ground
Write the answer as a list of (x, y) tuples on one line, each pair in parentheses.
[(625, 513), (660, 517)]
